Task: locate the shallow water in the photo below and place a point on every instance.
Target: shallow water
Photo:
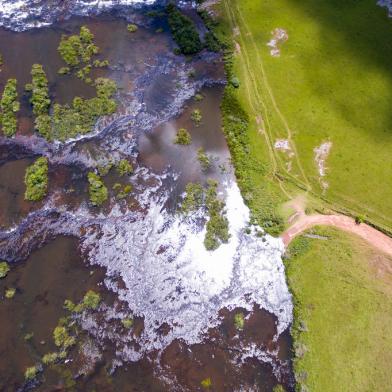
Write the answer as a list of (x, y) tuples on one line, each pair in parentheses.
[(147, 261)]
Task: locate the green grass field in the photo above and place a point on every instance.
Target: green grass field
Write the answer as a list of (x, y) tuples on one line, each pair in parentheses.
[(343, 313), (332, 82)]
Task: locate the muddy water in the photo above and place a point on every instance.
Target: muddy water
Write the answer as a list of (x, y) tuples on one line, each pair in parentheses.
[(155, 354)]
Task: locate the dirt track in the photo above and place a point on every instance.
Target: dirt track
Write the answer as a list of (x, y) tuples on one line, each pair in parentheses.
[(304, 222)]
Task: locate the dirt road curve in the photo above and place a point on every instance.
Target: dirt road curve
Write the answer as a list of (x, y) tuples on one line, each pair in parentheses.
[(304, 222)]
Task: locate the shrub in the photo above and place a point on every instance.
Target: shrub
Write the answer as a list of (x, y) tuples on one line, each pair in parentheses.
[(77, 49), (278, 388), (211, 42), (359, 219), (196, 116), (206, 383), (124, 167), (36, 180), (183, 30), (50, 358), (183, 137), (127, 323), (64, 71), (97, 189), (39, 90), (124, 192), (31, 373), (4, 269), (239, 321), (10, 293), (193, 199), (9, 106), (132, 28), (235, 82), (198, 97), (62, 338), (91, 300), (203, 159), (218, 224)]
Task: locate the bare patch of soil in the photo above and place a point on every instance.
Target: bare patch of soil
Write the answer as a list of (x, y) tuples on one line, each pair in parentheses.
[(279, 36)]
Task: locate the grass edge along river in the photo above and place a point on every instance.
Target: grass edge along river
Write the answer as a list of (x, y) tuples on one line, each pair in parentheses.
[(340, 285)]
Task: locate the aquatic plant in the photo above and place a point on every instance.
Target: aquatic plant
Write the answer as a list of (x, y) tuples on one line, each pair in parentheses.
[(278, 388), (97, 189), (4, 269), (36, 180), (31, 373), (218, 224), (91, 300), (10, 293), (198, 97), (124, 167), (203, 159), (9, 106), (132, 28), (183, 30), (28, 336), (127, 322), (183, 137), (239, 321)]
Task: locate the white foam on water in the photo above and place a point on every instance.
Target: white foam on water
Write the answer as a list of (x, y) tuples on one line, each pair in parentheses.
[(171, 278)]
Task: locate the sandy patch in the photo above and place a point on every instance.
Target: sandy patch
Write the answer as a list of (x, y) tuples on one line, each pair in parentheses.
[(278, 37), (321, 154)]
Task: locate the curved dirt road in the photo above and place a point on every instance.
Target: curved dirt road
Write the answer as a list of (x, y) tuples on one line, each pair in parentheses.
[(304, 222)]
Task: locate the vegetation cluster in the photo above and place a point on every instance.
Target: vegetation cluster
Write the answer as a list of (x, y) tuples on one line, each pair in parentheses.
[(97, 189), (9, 106), (183, 30), (36, 180)]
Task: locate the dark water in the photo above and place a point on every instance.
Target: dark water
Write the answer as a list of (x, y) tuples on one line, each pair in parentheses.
[(58, 271)]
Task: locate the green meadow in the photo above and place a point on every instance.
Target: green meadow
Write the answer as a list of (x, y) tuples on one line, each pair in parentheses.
[(343, 313), (331, 83)]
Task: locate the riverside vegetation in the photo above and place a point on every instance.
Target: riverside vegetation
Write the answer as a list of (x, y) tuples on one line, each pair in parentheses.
[(9, 106)]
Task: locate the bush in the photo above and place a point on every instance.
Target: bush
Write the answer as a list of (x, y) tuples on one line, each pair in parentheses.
[(193, 199), (183, 30), (211, 42), (124, 167), (235, 82), (196, 116), (203, 159), (132, 28), (97, 189), (50, 358), (183, 137), (91, 300), (10, 293), (127, 323), (77, 49), (62, 338), (39, 90), (36, 180), (4, 269), (9, 106), (239, 321), (31, 373), (206, 383), (217, 225)]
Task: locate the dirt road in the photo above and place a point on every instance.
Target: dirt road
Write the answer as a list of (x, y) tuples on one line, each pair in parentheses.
[(304, 222)]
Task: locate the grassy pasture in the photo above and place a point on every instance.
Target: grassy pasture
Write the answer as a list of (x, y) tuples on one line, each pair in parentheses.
[(343, 313), (332, 82)]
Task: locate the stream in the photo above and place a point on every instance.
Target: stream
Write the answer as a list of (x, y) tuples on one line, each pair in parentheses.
[(145, 258)]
